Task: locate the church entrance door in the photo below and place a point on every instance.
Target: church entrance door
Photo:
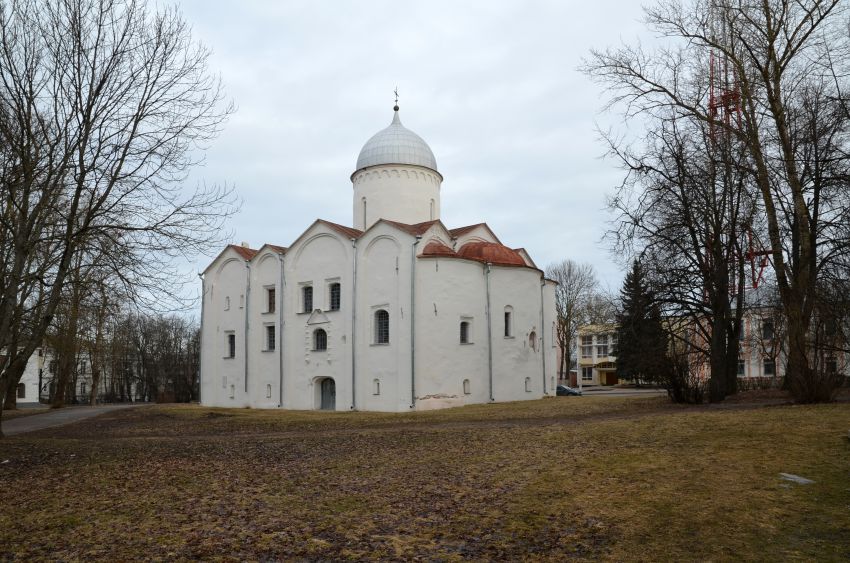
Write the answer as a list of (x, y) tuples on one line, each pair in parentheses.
[(328, 395)]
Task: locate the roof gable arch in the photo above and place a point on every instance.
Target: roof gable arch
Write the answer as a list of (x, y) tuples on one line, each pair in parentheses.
[(303, 243), (380, 238), (227, 262)]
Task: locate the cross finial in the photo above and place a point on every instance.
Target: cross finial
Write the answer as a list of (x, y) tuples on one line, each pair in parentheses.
[(396, 98)]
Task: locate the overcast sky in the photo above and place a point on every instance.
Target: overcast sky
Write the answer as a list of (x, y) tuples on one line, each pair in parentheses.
[(491, 86)]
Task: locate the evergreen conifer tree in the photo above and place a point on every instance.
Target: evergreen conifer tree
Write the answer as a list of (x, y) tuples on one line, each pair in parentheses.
[(641, 340)]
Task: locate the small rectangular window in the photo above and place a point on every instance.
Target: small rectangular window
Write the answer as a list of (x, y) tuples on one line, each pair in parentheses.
[(232, 391), (769, 367), (466, 390), (271, 299), (767, 329), (268, 391), (22, 391), (742, 368), (231, 345), (335, 296), (307, 298), (587, 374), (528, 385), (376, 387), (270, 337), (464, 332), (224, 382), (83, 388), (741, 331)]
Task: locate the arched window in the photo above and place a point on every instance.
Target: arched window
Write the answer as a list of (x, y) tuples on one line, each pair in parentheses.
[(464, 332), (528, 385), (466, 390), (532, 340), (433, 209), (320, 339), (382, 327), (376, 387), (364, 213)]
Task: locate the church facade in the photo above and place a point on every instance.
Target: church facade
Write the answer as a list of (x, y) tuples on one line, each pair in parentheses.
[(396, 313)]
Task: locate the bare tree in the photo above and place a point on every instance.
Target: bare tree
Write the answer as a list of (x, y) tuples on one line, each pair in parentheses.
[(786, 93), (576, 303), (104, 108)]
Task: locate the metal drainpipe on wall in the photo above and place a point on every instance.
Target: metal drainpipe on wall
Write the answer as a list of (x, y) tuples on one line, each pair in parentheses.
[(247, 325), (412, 324), (543, 333), (200, 343), (354, 326), (487, 268), (280, 336)]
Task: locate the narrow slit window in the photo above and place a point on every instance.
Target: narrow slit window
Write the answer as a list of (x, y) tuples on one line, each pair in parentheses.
[(271, 299), (464, 332), (336, 294), (307, 298), (231, 345), (271, 339)]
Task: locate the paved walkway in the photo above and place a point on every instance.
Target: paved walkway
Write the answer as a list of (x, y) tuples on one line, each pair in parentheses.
[(59, 417), (622, 391)]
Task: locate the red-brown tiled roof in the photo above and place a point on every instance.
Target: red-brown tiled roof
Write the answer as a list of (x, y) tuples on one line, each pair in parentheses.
[(278, 249), (436, 248), (347, 231), (460, 231), (243, 251), (492, 253), (414, 229), (463, 230)]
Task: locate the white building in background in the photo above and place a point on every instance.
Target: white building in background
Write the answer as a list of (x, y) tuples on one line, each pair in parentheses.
[(33, 379), (397, 313)]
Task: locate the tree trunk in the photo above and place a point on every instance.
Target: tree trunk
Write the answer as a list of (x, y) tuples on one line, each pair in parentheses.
[(717, 364), (10, 403)]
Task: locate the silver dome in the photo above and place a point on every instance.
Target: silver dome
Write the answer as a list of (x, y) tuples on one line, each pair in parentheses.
[(396, 145)]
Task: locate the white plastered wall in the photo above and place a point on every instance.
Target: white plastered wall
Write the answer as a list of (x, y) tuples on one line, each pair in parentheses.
[(223, 378), (264, 363), (320, 256), (383, 256), (408, 194)]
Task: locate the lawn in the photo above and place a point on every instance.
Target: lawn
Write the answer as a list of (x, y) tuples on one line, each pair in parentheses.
[(589, 477)]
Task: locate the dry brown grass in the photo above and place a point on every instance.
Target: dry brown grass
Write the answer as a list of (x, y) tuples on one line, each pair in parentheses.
[(618, 479)]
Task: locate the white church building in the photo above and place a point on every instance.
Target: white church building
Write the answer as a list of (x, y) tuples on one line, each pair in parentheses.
[(398, 312)]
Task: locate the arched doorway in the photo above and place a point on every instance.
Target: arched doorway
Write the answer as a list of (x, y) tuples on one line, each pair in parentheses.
[(328, 395)]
